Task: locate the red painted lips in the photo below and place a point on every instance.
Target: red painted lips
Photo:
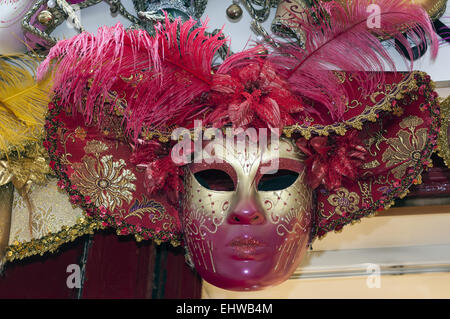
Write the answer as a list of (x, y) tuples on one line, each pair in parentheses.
[(248, 248)]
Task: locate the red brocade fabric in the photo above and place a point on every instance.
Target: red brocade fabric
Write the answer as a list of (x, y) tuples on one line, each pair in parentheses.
[(397, 126), (95, 168), (398, 146)]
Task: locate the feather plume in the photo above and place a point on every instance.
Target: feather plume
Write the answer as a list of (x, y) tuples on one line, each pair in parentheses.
[(87, 66), (175, 64), (186, 57), (344, 40), (23, 102)]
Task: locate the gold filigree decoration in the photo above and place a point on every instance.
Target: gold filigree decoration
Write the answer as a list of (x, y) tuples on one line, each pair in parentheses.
[(375, 138), (371, 165), (80, 133), (107, 182), (154, 210), (133, 79), (351, 105), (366, 191), (25, 169), (51, 242), (95, 147), (408, 84), (405, 149), (344, 201), (443, 139), (341, 76)]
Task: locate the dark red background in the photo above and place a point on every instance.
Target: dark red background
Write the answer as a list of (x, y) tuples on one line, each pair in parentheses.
[(115, 267)]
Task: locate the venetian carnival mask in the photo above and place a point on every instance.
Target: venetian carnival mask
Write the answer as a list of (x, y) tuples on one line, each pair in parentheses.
[(243, 211), (246, 225)]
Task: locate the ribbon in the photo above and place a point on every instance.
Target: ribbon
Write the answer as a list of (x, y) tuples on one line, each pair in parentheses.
[(23, 172)]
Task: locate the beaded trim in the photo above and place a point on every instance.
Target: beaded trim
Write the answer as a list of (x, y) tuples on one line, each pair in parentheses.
[(89, 209), (413, 175), (443, 141)]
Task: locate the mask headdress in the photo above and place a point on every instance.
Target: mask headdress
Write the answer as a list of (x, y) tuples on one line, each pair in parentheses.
[(120, 94)]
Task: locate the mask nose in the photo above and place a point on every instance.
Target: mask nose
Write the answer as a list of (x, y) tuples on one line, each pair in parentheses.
[(246, 213)]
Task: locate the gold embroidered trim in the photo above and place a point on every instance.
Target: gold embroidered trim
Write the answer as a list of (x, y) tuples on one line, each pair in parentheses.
[(443, 139), (344, 201), (418, 178), (370, 114), (405, 149), (51, 242), (107, 182)]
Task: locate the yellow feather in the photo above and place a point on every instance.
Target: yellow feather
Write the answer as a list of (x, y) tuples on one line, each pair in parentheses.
[(23, 103)]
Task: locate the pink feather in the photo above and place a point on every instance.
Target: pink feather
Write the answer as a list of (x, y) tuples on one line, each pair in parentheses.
[(186, 66), (176, 65), (96, 62), (343, 41)]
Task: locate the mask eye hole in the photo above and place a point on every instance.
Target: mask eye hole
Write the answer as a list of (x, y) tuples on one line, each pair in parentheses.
[(280, 180), (215, 180)]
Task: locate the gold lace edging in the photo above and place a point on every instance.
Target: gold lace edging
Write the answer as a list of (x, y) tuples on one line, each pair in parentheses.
[(370, 114), (52, 241), (443, 139)]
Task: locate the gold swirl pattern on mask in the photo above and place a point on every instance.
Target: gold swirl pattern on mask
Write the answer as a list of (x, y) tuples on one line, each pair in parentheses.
[(282, 207)]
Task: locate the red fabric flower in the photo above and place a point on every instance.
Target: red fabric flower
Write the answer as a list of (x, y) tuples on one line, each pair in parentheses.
[(331, 160), (251, 95), (161, 173)]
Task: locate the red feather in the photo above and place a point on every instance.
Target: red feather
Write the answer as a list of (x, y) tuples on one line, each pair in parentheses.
[(174, 72), (343, 41), (186, 66), (96, 62)]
